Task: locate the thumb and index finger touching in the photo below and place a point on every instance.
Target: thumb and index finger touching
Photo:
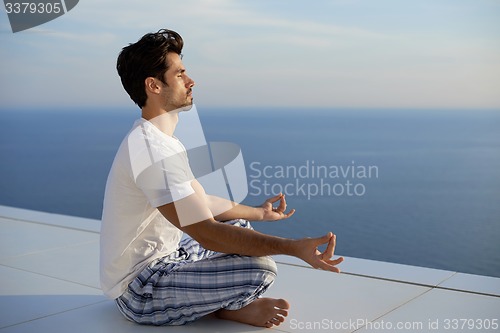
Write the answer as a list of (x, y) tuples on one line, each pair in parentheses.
[(327, 255), (275, 198), (325, 262), (282, 205)]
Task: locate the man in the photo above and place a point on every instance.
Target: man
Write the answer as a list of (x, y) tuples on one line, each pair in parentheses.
[(222, 267)]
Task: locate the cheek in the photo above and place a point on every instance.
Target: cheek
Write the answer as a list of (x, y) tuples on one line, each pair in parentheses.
[(177, 86)]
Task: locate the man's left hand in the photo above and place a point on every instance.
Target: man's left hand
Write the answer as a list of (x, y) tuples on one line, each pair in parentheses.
[(271, 213)]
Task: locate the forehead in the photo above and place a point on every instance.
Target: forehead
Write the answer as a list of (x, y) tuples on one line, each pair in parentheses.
[(174, 62)]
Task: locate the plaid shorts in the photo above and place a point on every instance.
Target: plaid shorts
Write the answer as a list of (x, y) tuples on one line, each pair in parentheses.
[(193, 282)]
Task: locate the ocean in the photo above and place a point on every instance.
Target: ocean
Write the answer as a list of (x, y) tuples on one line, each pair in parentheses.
[(418, 187)]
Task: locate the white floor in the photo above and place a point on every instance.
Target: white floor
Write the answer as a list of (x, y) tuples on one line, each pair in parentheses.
[(49, 274)]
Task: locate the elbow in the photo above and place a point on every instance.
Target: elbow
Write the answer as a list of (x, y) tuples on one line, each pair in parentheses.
[(209, 245), (203, 232)]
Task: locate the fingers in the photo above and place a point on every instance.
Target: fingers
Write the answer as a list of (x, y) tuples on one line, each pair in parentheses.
[(336, 261), (330, 250), (275, 198), (327, 267), (282, 205), (324, 260), (330, 265), (323, 239), (290, 213)]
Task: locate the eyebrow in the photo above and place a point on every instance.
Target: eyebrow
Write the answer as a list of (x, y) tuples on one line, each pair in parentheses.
[(180, 70)]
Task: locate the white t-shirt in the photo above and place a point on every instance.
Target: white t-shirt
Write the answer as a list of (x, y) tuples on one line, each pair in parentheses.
[(150, 169)]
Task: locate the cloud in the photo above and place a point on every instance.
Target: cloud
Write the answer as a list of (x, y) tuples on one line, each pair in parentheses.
[(255, 53)]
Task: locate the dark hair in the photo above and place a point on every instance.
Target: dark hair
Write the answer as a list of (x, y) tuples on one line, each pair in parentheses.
[(146, 58)]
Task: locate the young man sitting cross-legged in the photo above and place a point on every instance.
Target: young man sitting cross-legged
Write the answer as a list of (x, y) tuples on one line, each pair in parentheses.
[(223, 267)]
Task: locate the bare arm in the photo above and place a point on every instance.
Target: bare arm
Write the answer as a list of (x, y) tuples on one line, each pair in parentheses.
[(227, 238), (224, 210)]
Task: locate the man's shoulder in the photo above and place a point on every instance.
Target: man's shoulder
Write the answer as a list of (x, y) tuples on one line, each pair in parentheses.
[(122, 155)]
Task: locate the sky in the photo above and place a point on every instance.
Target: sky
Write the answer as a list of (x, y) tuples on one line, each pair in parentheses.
[(261, 53)]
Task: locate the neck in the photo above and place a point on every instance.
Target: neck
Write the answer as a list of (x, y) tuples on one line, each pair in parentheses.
[(165, 121)]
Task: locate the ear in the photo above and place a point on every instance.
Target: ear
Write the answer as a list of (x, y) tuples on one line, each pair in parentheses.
[(151, 85)]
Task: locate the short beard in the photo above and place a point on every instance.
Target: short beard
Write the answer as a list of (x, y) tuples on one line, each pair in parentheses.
[(187, 105)]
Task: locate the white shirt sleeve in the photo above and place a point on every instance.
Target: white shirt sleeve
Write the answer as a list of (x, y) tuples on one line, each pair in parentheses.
[(166, 181), (160, 166)]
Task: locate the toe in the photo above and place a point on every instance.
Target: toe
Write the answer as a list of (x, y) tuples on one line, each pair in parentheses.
[(275, 321), (284, 313), (282, 304), (279, 318)]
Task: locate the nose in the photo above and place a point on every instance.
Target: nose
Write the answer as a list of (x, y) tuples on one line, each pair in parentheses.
[(189, 82)]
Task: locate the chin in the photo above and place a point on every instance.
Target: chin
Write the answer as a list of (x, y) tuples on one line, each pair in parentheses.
[(187, 107)]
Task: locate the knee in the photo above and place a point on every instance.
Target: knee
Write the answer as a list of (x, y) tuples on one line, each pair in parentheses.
[(263, 272), (265, 268)]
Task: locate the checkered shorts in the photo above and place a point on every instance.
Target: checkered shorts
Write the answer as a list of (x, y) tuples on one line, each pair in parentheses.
[(193, 282)]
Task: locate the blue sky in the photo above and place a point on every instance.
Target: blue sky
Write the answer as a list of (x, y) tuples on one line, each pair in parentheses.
[(359, 53)]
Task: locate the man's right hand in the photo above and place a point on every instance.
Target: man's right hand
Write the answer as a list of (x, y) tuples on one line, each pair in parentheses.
[(307, 250)]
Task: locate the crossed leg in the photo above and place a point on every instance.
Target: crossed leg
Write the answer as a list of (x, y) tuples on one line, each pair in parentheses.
[(195, 282)]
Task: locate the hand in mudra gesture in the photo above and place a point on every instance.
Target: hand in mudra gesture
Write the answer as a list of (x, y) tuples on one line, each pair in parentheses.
[(271, 213)]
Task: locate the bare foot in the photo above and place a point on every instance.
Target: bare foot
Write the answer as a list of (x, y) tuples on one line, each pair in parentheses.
[(263, 312)]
